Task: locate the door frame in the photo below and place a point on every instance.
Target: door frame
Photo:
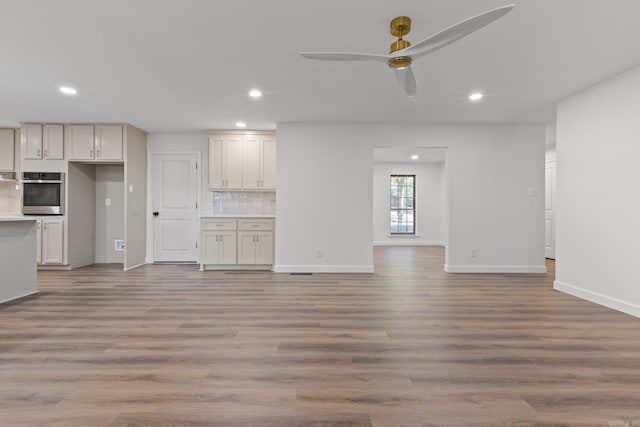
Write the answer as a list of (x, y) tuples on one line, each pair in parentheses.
[(150, 194)]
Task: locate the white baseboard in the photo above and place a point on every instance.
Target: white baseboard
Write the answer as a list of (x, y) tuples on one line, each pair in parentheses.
[(401, 242), (134, 266), (19, 297), (597, 298), (495, 268), (323, 268)]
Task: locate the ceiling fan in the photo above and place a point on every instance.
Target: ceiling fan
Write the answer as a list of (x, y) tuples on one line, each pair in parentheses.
[(402, 54)]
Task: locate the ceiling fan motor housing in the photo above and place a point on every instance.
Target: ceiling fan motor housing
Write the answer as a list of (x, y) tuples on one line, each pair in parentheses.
[(400, 26)]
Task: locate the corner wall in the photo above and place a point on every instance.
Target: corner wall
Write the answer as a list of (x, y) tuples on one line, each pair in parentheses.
[(495, 181), (597, 227)]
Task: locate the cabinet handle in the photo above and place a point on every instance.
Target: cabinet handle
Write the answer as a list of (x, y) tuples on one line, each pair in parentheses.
[(46, 153), (90, 153), (38, 225), (98, 153), (258, 183), (257, 238), (46, 226), (38, 153)]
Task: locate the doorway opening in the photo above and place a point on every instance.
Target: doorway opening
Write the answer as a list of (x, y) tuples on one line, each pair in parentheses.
[(425, 199)]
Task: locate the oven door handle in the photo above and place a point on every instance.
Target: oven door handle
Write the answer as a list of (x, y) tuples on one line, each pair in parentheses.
[(40, 181)]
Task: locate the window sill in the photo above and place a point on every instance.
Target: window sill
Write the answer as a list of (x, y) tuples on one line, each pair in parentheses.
[(404, 236)]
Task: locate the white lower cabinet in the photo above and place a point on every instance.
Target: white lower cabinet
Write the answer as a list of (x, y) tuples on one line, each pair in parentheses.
[(236, 243), (50, 241), (218, 247)]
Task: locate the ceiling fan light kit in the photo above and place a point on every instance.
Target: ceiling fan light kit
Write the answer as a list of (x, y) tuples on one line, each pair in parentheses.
[(402, 53)]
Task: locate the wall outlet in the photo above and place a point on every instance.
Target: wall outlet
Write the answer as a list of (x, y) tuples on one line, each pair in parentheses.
[(319, 252), (119, 245), (107, 202), (473, 253)]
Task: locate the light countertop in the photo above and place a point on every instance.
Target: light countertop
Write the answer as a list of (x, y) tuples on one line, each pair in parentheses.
[(238, 216), (15, 218)]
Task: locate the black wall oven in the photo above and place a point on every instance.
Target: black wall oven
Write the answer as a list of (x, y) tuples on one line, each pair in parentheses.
[(43, 193)]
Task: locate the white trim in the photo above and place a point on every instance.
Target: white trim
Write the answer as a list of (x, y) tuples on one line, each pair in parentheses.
[(19, 297), (597, 298), (495, 268), (323, 268), (134, 266), (400, 242), (234, 267)]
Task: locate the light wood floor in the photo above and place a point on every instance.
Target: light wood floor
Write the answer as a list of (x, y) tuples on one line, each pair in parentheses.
[(407, 346)]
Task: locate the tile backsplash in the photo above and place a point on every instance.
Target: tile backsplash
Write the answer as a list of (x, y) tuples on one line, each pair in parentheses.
[(10, 202), (238, 203)]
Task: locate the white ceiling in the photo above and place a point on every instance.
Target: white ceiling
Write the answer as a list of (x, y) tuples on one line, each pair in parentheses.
[(403, 155), (186, 65)]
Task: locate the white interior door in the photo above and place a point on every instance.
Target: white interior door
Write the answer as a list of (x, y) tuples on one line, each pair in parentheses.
[(549, 215), (175, 210)]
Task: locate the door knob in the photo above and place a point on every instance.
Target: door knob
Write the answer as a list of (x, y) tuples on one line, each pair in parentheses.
[(156, 213)]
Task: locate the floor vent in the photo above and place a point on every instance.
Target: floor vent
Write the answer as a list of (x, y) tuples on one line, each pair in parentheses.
[(301, 274)]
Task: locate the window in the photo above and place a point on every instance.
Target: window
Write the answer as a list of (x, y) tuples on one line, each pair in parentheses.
[(403, 202)]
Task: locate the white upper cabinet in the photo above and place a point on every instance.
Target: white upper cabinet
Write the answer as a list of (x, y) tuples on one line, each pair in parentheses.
[(109, 142), (80, 142), (44, 142), (7, 150), (268, 165), (259, 165), (99, 143), (242, 162), (31, 136), (225, 162), (53, 142)]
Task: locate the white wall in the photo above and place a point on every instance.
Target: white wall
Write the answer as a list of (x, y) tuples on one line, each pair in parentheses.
[(109, 222), (429, 198), (495, 181), (598, 134)]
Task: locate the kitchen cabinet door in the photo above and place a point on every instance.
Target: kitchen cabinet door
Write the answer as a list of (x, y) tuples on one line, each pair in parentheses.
[(80, 142), (32, 141), (6, 150), (52, 142), (39, 241), (246, 247), (109, 142), (52, 241), (252, 164), (228, 253), (264, 247), (268, 165), (233, 147)]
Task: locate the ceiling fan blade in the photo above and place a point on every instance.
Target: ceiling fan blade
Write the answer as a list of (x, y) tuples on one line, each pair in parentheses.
[(338, 56), (407, 80), (454, 33)]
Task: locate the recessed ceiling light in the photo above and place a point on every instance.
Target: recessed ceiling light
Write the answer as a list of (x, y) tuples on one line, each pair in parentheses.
[(255, 93), (68, 90), (415, 157), (241, 124), (475, 96)]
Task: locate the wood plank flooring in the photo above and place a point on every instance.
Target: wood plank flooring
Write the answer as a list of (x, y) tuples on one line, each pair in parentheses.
[(407, 346)]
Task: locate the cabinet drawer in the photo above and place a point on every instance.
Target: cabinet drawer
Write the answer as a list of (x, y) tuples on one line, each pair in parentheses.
[(255, 224), (211, 224)]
